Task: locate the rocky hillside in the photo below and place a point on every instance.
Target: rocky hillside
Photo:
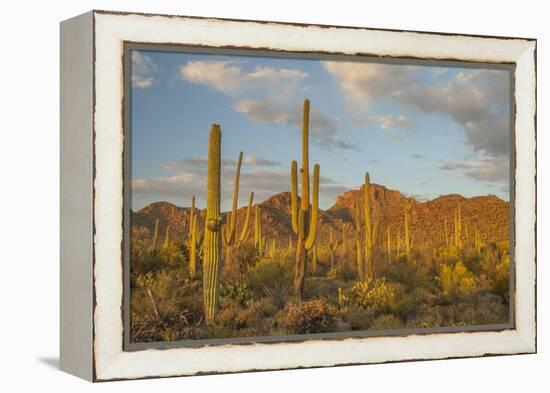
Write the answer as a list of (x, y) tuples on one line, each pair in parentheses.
[(489, 214)]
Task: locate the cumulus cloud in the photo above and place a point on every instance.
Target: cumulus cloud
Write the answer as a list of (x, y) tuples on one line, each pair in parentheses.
[(143, 69), (323, 128), (476, 100), (363, 82), (386, 122), (491, 169), (230, 76)]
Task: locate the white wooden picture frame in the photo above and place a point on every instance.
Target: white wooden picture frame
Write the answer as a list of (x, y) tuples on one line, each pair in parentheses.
[(92, 194)]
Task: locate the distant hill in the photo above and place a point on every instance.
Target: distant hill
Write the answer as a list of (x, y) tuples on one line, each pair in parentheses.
[(489, 214)]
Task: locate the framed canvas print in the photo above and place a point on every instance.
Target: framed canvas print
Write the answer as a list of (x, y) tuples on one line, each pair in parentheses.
[(245, 195)]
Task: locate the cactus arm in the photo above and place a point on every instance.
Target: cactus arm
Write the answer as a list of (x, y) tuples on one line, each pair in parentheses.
[(312, 233), (233, 219), (245, 231), (305, 156), (294, 195)]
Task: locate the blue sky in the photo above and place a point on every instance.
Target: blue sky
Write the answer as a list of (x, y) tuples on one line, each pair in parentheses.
[(426, 131)]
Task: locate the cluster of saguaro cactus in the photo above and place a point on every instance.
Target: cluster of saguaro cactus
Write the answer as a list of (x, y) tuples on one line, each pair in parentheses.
[(155, 235), (212, 235), (304, 219)]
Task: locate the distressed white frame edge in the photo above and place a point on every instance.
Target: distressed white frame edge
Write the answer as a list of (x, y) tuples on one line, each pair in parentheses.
[(111, 362)]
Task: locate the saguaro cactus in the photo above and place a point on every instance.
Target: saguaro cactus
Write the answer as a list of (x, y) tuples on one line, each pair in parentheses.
[(304, 220), (167, 236), (388, 243), (446, 234), (314, 259), (258, 228), (332, 246), (212, 241), (458, 228), (231, 227), (194, 239), (407, 239), (477, 241), (370, 231), (155, 235)]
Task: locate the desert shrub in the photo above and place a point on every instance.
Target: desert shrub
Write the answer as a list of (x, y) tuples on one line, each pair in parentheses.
[(386, 322), (262, 308), (407, 305), (268, 274), (357, 318), (501, 279), (375, 294), (277, 293), (323, 287), (165, 306), (311, 316), (455, 280), (331, 273), (428, 318), (247, 256), (410, 274), (237, 291)]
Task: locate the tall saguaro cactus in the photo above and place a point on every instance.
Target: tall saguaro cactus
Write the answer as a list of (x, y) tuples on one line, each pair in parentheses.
[(370, 231), (304, 220), (212, 231)]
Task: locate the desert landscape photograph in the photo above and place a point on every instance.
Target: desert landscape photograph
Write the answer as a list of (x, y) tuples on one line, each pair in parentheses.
[(284, 196)]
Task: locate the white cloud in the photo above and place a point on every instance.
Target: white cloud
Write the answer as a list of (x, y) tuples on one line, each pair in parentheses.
[(142, 69), (229, 76), (490, 169), (386, 122), (262, 111), (363, 82), (323, 128), (476, 100), (259, 161)]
